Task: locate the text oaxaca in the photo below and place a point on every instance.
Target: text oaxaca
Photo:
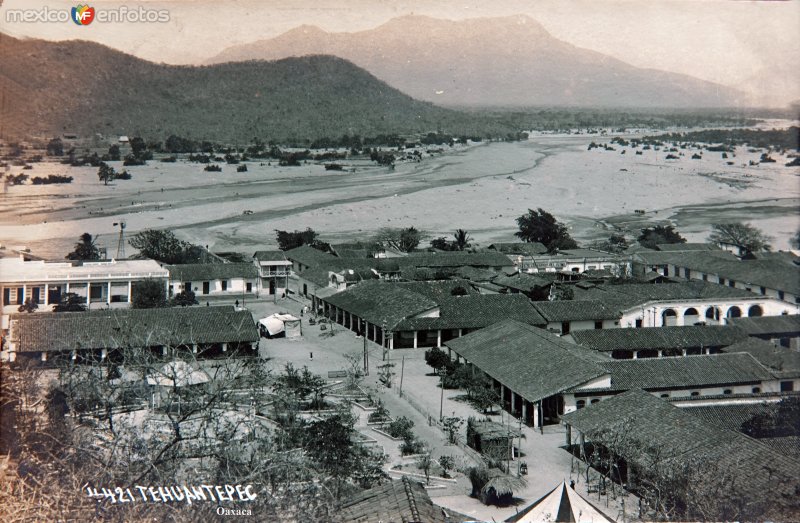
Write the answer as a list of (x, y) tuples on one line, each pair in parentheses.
[(173, 493)]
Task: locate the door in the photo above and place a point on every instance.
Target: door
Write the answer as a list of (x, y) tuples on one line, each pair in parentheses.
[(206, 287), (35, 295), (249, 287)]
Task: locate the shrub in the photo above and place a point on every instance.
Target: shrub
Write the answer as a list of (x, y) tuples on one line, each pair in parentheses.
[(213, 168), (411, 446), (400, 428), (241, 168)]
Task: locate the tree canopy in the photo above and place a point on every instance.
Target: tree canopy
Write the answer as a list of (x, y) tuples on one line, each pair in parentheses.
[(148, 294), (651, 237), (402, 239), (165, 247), (742, 234), (288, 240), (85, 249), (541, 226)]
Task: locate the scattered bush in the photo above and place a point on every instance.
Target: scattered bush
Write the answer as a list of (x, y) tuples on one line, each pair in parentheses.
[(53, 178), (411, 446), (213, 168), (241, 168), (400, 428)]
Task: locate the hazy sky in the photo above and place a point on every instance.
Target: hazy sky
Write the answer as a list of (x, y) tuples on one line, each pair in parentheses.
[(749, 45)]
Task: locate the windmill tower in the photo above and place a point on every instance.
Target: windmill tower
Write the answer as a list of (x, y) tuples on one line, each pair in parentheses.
[(121, 242)]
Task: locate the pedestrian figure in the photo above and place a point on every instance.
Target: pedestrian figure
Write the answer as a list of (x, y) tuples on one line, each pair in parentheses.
[(237, 304), (572, 484), (311, 355)]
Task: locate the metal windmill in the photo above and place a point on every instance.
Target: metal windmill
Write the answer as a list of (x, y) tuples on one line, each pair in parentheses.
[(121, 242)]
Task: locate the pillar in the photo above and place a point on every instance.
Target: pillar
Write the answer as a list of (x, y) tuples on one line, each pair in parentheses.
[(163, 350), (439, 338), (67, 292), (525, 411), (536, 412), (635, 354), (103, 354), (416, 333), (130, 289), (108, 295), (660, 353), (25, 293), (47, 294), (683, 352), (225, 347), (194, 348), (88, 292), (513, 402), (569, 436), (391, 340), (44, 356)]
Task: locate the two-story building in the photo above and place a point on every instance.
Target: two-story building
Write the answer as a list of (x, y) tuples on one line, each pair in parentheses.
[(274, 270)]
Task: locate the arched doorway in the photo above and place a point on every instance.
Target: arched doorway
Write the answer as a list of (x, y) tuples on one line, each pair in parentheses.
[(669, 318), (712, 315), (691, 316), (755, 311), (734, 312)]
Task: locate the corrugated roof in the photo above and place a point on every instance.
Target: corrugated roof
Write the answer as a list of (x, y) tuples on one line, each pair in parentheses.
[(577, 310), (211, 271), (529, 360), (658, 338), (685, 372), (680, 436), (119, 328), (765, 325)]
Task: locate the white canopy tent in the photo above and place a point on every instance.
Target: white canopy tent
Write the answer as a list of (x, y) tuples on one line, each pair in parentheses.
[(561, 504), (278, 323)]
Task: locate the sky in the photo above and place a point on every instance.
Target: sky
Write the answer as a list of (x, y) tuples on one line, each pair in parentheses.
[(750, 45)]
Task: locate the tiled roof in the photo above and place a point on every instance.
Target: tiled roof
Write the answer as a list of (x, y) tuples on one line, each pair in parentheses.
[(264, 256), (307, 255), (118, 328), (529, 360), (681, 436), (456, 259), (401, 501), (381, 302), (684, 372), (476, 311), (729, 417), (683, 247), (211, 271), (776, 272), (577, 310), (658, 338), (783, 362), (765, 325), (632, 294), (523, 282), (521, 248), (437, 290)]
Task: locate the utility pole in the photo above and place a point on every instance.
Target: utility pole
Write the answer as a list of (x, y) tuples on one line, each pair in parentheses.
[(402, 368), (366, 358), (441, 397)]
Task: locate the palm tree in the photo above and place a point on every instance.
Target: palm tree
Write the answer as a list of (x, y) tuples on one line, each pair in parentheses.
[(85, 249), (462, 239)]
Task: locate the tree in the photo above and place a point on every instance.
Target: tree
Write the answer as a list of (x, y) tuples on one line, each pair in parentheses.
[(288, 240), (461, 239), (106, 173), (85, 249), (541, 226), (742, 234), (163, 246), (451, 426), (70, 302), (779, 420), (441, 243), (148, 294), (183, 299), (436, 358), (424, 463), (402, 239), (651, 237), (616, 243), (55, 147), (114, 153)]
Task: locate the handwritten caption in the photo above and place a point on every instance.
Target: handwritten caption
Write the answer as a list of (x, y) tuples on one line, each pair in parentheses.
[(172, 493)]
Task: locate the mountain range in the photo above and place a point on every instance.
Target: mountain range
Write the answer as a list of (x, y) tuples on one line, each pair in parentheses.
[(51, 88), (509, 61)]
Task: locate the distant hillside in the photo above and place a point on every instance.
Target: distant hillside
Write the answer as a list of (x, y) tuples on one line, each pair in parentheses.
[(86, 88), (511, 61)]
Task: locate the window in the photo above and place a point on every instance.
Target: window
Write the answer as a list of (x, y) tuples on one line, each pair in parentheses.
[(224, 285), (727, 391), (638, 323), (763, 291), (249, 287), (598, 325), (564, 327), (705, 277), (781, 295), (594, 400), (787, 386), (695, 393), (756, 390), (731, 283), (665, 395), (580, 404)]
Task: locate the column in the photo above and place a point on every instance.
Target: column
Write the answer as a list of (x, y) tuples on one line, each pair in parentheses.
[(683, 352), (391, 340), (660, 353), (103, 354), (439, 338), (88, 292), (108, 296), (513, 402), (536, 408), (130, 289), (44, 356), (525, 411), (225, 347), (47, 294), (24, 293), (67, 292), (635, 354), (569, 436), (194, 348), (415, 338)]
